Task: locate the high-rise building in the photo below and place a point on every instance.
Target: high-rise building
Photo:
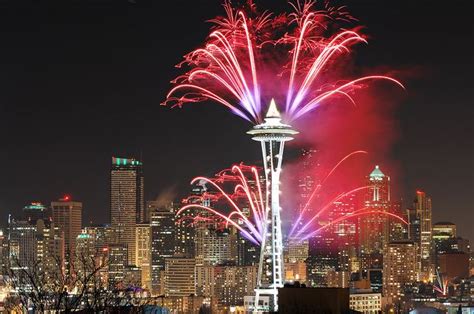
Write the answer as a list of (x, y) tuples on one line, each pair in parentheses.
[(179, 277), (86, 254), (248, 253), (117, 261), (422, 207), (22, 244), (399, 268), (226, 284), (337, 278), (295, 256), (127, 205), (322, 257), (214, 245), (103, 235), (143, 252), (162, 224), (443, 235), (374, 227), (50, 246), (67, 216), (296, 251)]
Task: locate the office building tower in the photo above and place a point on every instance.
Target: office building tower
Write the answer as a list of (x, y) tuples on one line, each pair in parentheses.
[(67, 216), (399, 268), (50, 249), (117, 261), (248, 253), (443, 234), (162, 233), (322, 257), (422, 207), (337, 278), (397, 229), (179, 277), (295, 256), (22, 244), (227, 284), (375, 277), (127, 205), (213, 244), (143, 251), (86, 260), (374, 227), (103, 235), (185, 231)]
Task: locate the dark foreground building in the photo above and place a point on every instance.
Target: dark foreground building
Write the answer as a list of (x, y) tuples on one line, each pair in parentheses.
[(297, 300)]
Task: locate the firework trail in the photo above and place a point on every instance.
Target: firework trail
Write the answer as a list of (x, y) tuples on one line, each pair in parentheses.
[(250, 57), (441, 284), (246, 193), (245, 201)]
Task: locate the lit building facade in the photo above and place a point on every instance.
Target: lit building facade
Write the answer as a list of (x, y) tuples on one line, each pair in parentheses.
[(374, 228), (422, 207), (296, 254), (367, 303), (117, 261), (67, 216), (214, 246), (162, 236), (322, 257), (22, 244), (399, 268), (179, 277), (143, 251), (127, 205), (226, 284)]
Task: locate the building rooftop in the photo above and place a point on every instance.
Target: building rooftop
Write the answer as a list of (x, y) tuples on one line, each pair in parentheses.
[(377, 173)]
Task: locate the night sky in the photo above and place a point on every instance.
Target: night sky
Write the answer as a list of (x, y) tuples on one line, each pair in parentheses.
[(81, 81)]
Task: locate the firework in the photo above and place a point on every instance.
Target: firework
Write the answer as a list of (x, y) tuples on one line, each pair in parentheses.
[(244, 201), (237, 198), (249, 58)]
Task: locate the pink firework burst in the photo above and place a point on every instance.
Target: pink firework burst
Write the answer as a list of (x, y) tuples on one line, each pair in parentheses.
[(250, 57)]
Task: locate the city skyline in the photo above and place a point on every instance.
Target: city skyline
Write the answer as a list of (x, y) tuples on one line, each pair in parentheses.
[(301, 156), (437, 94)]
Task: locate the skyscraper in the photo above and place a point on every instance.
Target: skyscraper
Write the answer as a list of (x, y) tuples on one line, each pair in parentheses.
[(213, 245), (117, 260), (127, 205), (67, 216), (374, 228), (143, 252), (162, 243), (22, 244), (179, 279), (399, 268), (422, 207)]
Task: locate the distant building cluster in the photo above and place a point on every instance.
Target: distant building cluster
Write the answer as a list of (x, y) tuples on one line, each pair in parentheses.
[(149, 256)]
